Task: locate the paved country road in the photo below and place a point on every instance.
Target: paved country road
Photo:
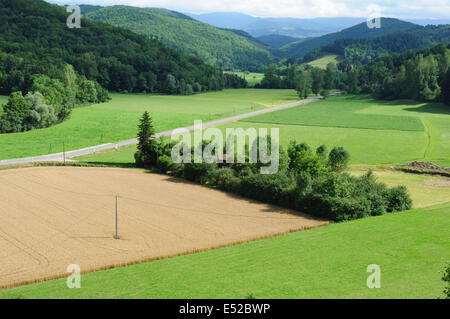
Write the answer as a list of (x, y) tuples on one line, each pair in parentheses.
[(57, 157)]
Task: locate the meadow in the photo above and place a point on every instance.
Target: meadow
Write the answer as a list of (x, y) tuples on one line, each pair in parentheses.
[(341, 111), (329, 262), (374, 132), (252, 78), (323, 62), (118, 119)]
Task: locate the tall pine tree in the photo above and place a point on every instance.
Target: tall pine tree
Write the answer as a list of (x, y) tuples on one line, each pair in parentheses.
[(147, 153)]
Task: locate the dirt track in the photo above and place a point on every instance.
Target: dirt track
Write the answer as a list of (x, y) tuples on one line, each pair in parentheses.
[(51, 217)]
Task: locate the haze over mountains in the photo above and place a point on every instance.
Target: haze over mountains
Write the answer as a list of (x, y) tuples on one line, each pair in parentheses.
[(293, 27)]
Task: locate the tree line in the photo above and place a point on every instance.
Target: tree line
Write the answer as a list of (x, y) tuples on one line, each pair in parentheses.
[(422, 76), (310, 181)]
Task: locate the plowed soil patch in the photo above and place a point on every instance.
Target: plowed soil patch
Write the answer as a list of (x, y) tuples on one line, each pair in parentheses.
[(52, 217)]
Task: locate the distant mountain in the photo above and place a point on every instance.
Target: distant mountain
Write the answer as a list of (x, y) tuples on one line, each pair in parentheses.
[(365, 50), (277, 41), (226, 20), (300, 48), (425, 22), (297, 28), (86, 8), (168, 13), (300, 28), (223, 48)]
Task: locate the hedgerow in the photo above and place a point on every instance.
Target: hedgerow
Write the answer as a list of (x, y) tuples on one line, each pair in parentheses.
[(309, 182)]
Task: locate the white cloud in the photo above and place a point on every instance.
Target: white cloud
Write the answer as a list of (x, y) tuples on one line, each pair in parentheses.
[(293, 8)]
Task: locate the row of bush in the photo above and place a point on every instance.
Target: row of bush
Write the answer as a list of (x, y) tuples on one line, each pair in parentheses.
[(308, 181)]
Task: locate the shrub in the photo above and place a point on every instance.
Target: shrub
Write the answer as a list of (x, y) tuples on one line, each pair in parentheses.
[(199, 172), (304, 184), (446, 279), (275, 189), (325, 94), (322, 151), (398, 199), (302, 159), (225, 179), (335, 208), (164, 163), (334, 185), (338, 159)]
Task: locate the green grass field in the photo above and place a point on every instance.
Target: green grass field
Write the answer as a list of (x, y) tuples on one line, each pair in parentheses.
[(329, 262), (118, 119), (323, 62), (252, 78), (341, 111), (374, 132)]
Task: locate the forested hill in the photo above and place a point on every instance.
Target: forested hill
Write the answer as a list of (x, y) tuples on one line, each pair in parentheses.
[(353, 51), (388, 25), (221, 48), (34, 39), (277, 41)]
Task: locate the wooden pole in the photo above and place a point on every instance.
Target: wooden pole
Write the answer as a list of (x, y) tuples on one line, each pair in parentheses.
[(117, 218)]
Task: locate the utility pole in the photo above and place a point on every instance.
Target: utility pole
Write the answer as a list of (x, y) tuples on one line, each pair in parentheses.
[(117, 218)]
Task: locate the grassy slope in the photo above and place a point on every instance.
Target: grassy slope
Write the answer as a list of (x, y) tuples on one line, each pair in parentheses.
[(252, 78), (330, 262), (323, 62), (118, 119)]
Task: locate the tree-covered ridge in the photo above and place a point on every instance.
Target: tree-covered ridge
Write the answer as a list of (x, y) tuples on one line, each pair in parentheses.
[(300, 48), (34, 39), (277, 41), (366, 50), (217, 47)]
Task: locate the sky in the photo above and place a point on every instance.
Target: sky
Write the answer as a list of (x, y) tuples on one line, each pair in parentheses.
[(437, 9)]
